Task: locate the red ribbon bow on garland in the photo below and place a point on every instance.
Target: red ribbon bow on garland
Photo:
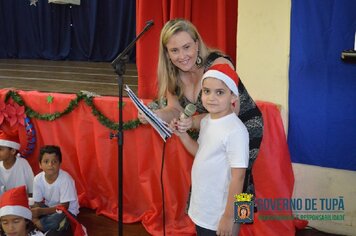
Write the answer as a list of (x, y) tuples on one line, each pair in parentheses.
[(12, 117), (12, 113)]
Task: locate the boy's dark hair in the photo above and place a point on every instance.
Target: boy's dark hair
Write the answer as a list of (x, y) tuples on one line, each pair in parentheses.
[(51, 149)]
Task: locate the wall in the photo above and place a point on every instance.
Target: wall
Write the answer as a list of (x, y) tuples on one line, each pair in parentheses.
[(318, 182), (262, 62), (263, 50)]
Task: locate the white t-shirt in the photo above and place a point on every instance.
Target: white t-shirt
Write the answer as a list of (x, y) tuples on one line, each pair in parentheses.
[(60, 191), (19, 174), (36, 233), (223, 144)]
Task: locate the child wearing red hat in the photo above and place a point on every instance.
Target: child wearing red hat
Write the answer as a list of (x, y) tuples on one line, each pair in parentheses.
[(14, 170), (221, 155), (15, 214)]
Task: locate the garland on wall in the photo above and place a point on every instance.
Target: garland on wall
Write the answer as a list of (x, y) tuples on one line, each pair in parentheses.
[(88, 99)]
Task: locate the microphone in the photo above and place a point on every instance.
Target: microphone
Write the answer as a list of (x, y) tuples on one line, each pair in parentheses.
[(189, 110), (149, 24)]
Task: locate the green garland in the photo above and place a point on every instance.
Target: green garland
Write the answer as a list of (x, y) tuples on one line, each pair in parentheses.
[(72, 105), (89, 101)]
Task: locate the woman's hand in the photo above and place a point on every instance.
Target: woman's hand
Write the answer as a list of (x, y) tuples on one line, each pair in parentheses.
[(185, 123), (142, 118), (181, 125), (173, 125)]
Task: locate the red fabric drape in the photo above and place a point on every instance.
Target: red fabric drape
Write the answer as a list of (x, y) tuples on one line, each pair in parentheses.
[(273, 176), (215, 20), (88, 153), (91, 157)]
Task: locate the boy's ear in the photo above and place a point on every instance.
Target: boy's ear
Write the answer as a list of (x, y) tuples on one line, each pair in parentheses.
[(13, 151), (234, 98)]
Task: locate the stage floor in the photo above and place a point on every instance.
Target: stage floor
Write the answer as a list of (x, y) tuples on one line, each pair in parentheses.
[(64, 76)]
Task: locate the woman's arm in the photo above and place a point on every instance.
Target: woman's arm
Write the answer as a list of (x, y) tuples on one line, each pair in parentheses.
[(172, 110), (167, 113)]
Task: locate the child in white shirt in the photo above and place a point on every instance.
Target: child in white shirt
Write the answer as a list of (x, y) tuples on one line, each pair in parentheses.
[(14, 170), (221, 155), (53, 187)]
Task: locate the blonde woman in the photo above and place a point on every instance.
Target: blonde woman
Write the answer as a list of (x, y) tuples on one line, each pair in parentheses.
[(183, 59)]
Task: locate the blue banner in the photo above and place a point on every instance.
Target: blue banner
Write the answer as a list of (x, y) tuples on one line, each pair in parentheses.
[(322, 94)]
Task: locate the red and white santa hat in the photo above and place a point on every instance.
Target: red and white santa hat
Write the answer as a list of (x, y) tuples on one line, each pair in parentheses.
[(224, 73), (9, 140), (15, 202)]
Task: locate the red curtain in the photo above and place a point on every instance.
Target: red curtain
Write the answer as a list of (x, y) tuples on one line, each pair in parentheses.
[(273, 177), (216, 21)]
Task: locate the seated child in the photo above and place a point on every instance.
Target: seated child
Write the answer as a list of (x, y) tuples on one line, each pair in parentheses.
[(53, 187), (15, 214), (14, 170)]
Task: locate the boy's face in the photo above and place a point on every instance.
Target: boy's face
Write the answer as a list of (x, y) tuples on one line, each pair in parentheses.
[(14, 225), (50, 164), (217, 98), (6, 153)]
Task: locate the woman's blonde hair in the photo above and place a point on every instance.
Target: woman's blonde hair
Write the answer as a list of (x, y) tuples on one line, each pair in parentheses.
[(167, 72)]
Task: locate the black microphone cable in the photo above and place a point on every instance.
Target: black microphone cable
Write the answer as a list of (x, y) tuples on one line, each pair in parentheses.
[(162, 189), (189, 110)]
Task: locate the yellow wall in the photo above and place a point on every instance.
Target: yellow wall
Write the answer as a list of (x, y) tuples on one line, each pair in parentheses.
[(262, 62), (263, 49)]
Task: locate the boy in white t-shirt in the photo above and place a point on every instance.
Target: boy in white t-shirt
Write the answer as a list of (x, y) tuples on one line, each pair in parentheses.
[(53, 187), (14, 170), (221, 155)]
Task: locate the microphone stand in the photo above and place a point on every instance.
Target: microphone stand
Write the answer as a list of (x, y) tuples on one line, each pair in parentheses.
[(119, 65)]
